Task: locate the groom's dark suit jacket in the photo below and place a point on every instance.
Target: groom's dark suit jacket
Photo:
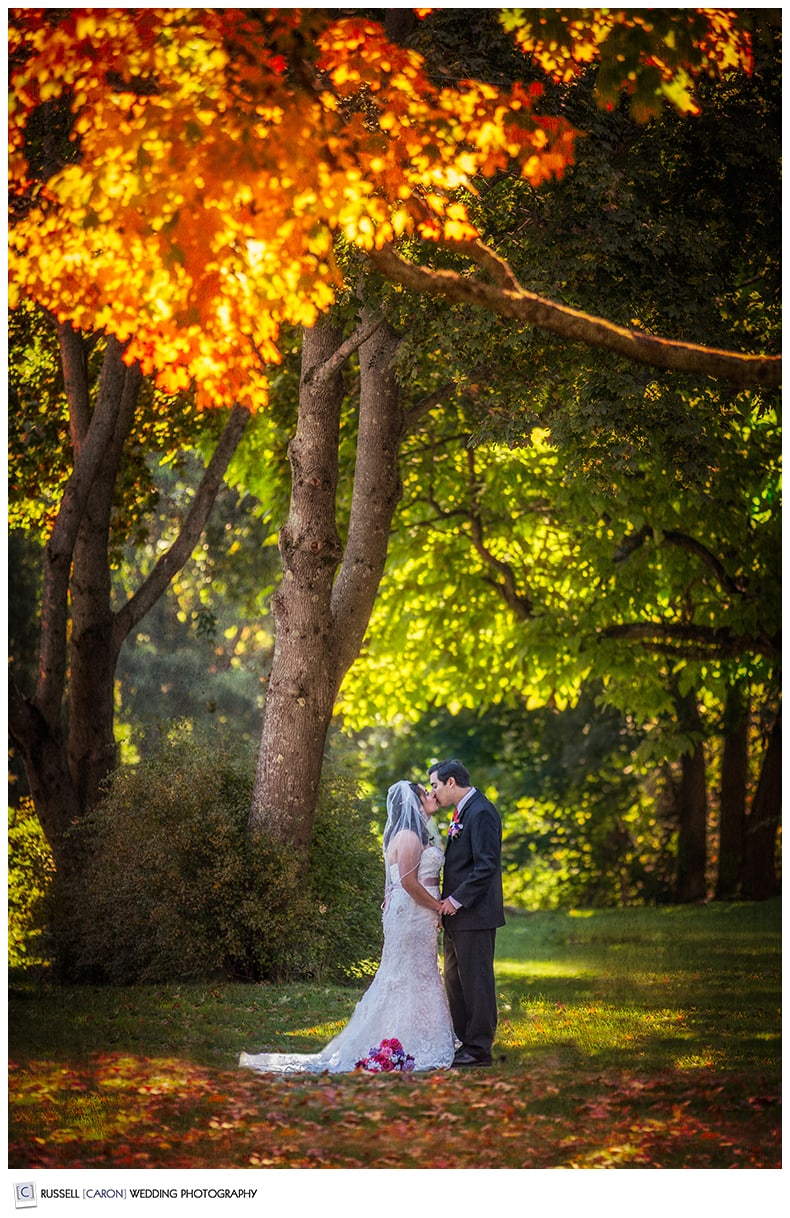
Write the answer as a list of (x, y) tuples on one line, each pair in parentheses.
[(473, 867)]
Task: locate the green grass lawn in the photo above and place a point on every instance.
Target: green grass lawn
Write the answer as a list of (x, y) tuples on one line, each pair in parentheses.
[(627, 1038)]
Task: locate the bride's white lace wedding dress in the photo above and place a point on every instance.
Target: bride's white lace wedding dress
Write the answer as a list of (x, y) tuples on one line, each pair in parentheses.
[(405, 1000)]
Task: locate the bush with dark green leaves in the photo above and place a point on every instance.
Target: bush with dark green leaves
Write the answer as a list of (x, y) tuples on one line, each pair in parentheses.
[(174, 887)]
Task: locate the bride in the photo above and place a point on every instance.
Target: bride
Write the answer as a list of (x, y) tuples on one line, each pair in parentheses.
[(406, 999)]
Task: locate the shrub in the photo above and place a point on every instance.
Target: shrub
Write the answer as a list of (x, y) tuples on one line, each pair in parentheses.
[(30, 871), (174, 888)]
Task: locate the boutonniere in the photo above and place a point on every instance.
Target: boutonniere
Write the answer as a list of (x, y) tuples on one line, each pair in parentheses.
[(455, 826)]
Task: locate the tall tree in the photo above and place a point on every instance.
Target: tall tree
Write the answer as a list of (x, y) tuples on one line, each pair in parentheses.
[(63, 725)]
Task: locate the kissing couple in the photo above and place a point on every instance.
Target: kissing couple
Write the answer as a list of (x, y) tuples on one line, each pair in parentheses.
[(435, 1024)]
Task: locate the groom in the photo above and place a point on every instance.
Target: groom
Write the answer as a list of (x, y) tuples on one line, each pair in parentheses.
[(473, 908)]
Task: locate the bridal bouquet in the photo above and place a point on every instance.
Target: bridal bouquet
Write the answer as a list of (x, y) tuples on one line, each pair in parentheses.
[(390, 1055)]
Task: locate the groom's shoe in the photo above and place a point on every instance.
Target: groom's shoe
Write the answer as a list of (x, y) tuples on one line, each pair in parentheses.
[(464, 1058)]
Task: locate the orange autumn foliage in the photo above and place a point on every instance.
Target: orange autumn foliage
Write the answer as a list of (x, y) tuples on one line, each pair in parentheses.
[(222, 153), (650, 54)]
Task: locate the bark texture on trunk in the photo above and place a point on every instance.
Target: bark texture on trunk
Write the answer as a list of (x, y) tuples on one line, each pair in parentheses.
[(760, 880), (92, 751), (732, 798), (43, 750), (376, 495), (323, 604), (693, 815), (300, 690)]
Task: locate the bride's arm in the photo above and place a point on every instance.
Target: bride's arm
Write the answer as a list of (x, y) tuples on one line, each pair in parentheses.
[(406, 850), (418, 893)]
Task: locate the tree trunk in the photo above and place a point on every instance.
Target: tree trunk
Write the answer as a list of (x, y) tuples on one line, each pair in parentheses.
[(693, 814), (732, 799), (324, 601), (301, 687), (759, 880), (36, 724), (92, 750), (43, 751), (66, 766)]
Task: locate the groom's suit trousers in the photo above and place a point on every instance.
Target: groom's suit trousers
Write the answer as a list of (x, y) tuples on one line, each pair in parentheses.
[(471, 991)]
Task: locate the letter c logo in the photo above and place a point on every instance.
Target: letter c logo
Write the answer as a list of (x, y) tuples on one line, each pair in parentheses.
[(25, 1195)]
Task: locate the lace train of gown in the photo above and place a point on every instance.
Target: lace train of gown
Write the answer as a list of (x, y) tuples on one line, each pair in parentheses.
[(405, 1000)]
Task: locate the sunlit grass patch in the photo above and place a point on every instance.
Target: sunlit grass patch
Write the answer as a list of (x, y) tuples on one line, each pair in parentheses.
[(314, 1037), (590, 1029), (700, 1061), (532, 970)]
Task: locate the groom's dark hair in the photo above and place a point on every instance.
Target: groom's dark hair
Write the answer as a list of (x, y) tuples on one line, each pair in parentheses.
[(452, 769)]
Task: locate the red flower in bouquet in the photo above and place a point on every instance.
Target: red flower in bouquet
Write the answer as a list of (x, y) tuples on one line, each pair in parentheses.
[(389, 1056)]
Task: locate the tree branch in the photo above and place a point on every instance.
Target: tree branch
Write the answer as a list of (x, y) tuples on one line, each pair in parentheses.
[(74, 363), (521, 605), (499, 270), (742, 371), (714, 565), (414, 413), (634, 541), (324, 372), (174, 559), (375, 496), (681, 638)]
